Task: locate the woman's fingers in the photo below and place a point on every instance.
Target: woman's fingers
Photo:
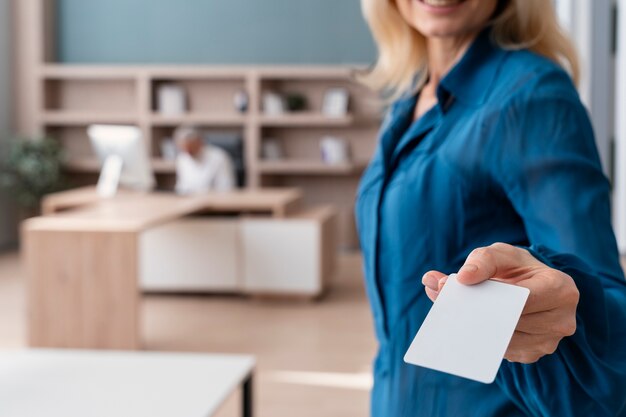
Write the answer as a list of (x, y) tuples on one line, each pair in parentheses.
[(433, 282), (431, 279), (549, 322), (550, 289), (442, 282), (529, 348)]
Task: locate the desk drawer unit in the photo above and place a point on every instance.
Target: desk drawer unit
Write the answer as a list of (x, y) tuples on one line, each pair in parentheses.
[(253, 255), (292, 256), (194, 254)]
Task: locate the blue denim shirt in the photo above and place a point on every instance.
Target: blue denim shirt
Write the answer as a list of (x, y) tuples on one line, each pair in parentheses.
[(507, 155)]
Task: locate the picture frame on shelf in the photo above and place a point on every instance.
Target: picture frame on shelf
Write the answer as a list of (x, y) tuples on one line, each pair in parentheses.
[(336, 102)]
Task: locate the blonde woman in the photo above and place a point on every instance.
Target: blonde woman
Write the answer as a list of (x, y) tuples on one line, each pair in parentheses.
[(487, 164)]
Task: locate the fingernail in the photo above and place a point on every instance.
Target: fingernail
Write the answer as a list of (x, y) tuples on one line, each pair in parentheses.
[(430, 281), (470, 268), (442, 281)]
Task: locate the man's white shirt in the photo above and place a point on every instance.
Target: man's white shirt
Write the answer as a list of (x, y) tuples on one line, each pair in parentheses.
[(211, 171)]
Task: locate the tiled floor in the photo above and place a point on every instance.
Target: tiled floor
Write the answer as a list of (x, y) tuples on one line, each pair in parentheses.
[(313, 357)]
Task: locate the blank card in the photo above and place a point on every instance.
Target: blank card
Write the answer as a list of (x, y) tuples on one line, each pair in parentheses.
[(468, 329)]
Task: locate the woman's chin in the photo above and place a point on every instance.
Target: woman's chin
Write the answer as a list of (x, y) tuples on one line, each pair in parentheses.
[(441, 30)]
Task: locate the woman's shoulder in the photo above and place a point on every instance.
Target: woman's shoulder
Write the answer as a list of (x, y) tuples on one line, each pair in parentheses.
[(527, 76), (537, 105)]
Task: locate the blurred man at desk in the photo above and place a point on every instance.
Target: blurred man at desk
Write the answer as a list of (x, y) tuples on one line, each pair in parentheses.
[(201, 167)]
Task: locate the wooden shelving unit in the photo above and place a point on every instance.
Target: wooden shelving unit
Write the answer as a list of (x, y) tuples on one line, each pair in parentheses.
[(62, 100), (310, 167)]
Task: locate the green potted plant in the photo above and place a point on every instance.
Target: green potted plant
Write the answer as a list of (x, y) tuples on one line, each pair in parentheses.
[(30, 169)]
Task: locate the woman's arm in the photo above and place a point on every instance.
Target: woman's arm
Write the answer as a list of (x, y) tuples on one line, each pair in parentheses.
[(586, 374), (547, 164)]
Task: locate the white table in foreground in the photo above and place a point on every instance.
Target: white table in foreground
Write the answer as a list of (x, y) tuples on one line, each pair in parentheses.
[(69, 383)]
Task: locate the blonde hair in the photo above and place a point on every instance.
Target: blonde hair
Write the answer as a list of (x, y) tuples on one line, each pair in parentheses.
[(519, 24)]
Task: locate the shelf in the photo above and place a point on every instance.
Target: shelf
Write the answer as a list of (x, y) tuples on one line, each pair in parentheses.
[(88, 72), (61, 118), (299, 72), (306, 167), (305, 119), (227, 119), (307, 72), (92, 166)]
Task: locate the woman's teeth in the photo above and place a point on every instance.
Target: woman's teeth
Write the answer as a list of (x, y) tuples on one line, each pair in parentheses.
[(442, 3)]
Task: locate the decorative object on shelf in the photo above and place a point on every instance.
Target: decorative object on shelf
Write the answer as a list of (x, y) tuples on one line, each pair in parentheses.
[(273, 104), (336, 101), (272, 150), (31, 169), (168, 149), (296, 102), (171, 99), (334, 150), (241, 100)]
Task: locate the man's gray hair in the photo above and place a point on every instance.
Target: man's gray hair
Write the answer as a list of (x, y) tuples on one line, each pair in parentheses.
[(184, 134)]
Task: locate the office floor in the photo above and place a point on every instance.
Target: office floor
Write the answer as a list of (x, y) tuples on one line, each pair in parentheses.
[(313, 358)]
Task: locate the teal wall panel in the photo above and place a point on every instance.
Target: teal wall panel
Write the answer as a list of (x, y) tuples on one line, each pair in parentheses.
[(213, 32)]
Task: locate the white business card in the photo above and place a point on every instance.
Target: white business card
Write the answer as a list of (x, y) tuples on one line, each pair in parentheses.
[(468, 329)]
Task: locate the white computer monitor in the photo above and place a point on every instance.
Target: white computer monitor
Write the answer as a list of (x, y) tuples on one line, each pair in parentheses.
[(124, 159)]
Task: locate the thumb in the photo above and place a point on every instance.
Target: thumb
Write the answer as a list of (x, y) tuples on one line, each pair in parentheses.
[(489, 262), (469, 274)]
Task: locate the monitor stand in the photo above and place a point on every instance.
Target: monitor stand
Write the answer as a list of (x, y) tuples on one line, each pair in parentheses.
[(109, 179)]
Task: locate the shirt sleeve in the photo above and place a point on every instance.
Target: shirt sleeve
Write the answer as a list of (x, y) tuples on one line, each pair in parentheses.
[(548, 166)]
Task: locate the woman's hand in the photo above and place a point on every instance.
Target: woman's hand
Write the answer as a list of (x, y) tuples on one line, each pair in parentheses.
[(550, 312)]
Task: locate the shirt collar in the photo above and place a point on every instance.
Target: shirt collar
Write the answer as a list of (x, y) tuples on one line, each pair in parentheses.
[(470, 80)]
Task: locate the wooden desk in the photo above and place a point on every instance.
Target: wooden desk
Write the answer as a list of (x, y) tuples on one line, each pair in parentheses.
[(82, 261), (35, 383), (280, 202)]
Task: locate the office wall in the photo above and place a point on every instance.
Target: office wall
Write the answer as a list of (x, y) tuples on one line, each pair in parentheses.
[(7, 220), (212, 32)]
